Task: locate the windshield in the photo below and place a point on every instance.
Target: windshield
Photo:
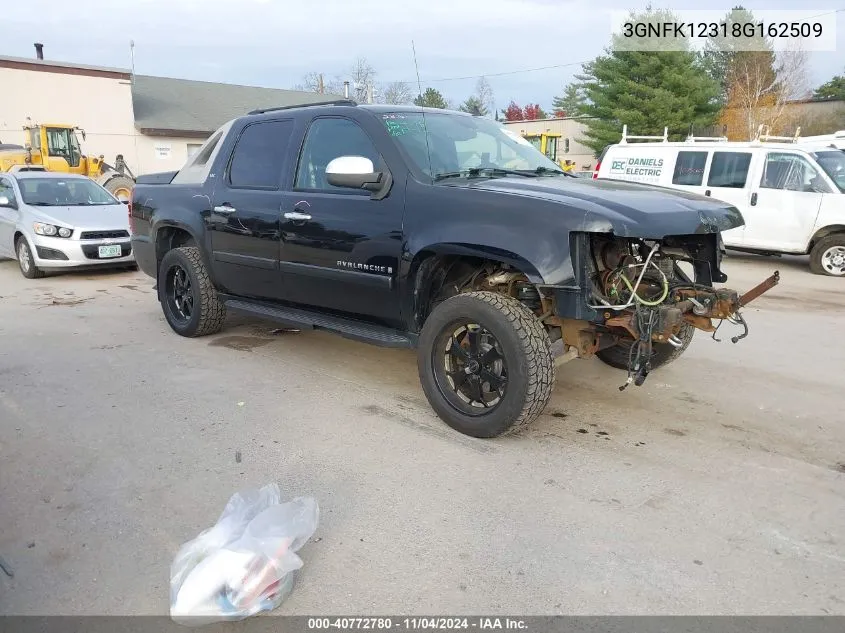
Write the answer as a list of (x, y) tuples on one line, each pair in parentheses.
[(61, 192), (458, 143), (833, 163)]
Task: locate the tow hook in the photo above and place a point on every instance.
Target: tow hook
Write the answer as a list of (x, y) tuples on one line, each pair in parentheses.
[(756, 291)]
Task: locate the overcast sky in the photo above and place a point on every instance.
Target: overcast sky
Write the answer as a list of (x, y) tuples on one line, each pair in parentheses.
[(273, 43)]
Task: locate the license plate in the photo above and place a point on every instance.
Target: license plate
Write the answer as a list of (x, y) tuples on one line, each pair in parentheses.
[(110, 251)]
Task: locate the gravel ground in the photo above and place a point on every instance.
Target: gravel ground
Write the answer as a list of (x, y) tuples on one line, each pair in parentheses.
[(715, 488)]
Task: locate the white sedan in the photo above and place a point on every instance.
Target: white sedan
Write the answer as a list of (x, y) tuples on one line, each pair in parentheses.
[(61, 221)]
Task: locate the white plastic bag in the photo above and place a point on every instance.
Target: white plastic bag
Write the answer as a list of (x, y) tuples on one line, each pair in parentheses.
[(245, 563)]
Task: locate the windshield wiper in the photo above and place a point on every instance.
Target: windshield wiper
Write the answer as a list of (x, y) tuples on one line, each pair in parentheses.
[(550, 171), (476, 172), (41, 204)]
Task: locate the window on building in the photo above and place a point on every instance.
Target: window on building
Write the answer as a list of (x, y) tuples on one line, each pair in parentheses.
[(791, 172), (729, 169), (566, 146), (260, 154), (689, 168), (193, 148), (326, 140)]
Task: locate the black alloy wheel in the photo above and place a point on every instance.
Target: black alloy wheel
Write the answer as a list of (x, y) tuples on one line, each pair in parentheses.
[(179, 292), (470, 368)]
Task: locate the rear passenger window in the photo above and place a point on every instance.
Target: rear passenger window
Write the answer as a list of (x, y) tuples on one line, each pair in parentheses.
[(689, 168), (260, 154), (729, 169)]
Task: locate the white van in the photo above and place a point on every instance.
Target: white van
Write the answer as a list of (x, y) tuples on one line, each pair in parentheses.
[(791, 192)]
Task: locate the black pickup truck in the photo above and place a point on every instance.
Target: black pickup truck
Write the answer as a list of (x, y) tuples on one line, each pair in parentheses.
[(439, 231)]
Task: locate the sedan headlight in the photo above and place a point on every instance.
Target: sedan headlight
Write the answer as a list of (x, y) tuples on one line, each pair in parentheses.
[(51, 230)]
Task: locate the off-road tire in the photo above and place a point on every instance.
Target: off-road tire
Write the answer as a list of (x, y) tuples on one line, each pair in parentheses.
[(34, 272), (837, 239), (527, 353), (661, 353), (209, 313), (119, 182)]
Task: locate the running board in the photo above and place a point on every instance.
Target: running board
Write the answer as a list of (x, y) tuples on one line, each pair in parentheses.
[(307, 319)]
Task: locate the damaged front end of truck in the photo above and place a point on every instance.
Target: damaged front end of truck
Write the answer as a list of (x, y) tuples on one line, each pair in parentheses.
[(637, 300)]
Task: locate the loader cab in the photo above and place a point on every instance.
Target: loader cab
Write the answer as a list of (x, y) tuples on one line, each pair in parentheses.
[(58, 147), (544, 143)]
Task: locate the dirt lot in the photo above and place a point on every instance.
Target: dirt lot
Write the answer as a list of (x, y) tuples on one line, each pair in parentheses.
[(717, 487)]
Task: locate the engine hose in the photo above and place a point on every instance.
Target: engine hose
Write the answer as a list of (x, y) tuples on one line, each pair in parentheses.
[(643, 301)]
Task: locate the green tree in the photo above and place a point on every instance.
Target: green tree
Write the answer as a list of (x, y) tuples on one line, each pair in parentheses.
[(833, 89), (572, 101), (721, 55), (646, 89), (431, 98), (474, 106)]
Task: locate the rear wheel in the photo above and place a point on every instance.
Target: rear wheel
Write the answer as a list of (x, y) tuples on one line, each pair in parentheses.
[(828, 256), (120, 187), (26, 261), (662, 354), (188, 298), (485, 364)]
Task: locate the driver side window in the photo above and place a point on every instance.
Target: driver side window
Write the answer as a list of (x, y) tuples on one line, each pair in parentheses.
[(326, 140), (791, 172), (6, 190)]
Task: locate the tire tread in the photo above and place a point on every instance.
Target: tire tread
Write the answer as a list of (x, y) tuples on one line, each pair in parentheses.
[(212, 310)]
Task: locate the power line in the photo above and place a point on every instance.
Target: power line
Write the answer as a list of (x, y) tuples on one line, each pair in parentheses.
[(552, 67)]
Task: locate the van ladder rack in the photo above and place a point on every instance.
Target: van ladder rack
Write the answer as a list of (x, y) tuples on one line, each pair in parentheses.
[(706, 139), (626, 137), (764, 136)]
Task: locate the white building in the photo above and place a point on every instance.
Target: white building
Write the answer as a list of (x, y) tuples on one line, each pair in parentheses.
[(154, 122)]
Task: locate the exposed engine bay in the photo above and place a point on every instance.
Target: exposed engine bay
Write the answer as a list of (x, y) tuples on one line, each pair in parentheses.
[(643, 293), (629, 293)]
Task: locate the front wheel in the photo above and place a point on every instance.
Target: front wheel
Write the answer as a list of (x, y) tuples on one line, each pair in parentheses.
[(188, 298), (26, 261), (662, 354), (485, 364), (828, 256)]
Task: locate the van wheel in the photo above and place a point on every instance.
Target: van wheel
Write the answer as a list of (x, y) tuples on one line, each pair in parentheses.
[(661, 353), (828, 256), (485, 364)]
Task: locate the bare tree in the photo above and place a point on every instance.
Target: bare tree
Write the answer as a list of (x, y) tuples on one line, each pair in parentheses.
[(397, 93), (362, 76), (484, 94), (319, 82), (759, 90)]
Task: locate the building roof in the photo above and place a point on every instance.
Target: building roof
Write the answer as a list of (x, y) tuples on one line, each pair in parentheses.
[(49, 65), (181, 106)]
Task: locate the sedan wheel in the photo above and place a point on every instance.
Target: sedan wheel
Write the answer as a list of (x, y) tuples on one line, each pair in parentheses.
[(26, 261)]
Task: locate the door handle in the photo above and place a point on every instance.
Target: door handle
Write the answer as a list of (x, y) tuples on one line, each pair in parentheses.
[(754, 199), (296, 216), (224, 208)]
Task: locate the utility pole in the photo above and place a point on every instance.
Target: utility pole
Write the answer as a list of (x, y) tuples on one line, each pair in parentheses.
[(321, 89), (369, 93), (345, 89)]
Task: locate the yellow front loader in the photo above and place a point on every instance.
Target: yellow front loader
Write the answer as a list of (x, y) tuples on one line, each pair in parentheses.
[(55, 147)]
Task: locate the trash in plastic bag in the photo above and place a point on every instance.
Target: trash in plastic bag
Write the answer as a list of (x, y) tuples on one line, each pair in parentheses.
[(245, 563)]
